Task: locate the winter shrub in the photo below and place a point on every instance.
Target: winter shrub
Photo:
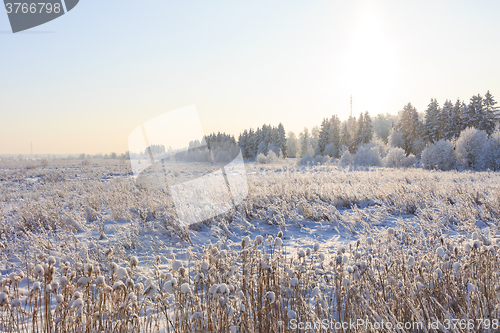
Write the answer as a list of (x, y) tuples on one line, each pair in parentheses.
[(269, 159), (493, 156), (261, 158), (331, 150), (346, 159), (308, 158), (367, 156), (471, 149), (395, 158), (395, 138), (272, 157), (439, 155), (410, 161), (222, 157)]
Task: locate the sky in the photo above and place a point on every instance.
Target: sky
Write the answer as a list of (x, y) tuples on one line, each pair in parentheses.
[(84, 82)]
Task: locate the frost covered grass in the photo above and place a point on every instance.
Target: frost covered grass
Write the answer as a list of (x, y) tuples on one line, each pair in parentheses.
[(256, 286), (64, 270)]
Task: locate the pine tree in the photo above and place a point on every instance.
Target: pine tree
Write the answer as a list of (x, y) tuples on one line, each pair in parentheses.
[(444, 120), (323, 136), (474, 112), (455, 125), (367, 128), (282, 140), (490, 114), (252, 150), (431, 121), (243, 143), (345, 136), (334, 136), (305, 139), (358, 139), (411, 129)]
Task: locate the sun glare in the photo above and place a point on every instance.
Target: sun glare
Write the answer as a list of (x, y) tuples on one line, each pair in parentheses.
[(369, 67)]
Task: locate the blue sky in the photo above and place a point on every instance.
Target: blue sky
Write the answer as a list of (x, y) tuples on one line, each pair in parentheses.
[(83, 82)]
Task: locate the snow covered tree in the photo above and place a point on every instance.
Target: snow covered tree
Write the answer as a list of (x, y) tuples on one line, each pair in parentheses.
[(314, 137), (364, 133), (490, 115), (473, 112), (305, 141), (411, 130), (323, 136), (382, 125), (348, 134), (455, 120), (493, 151), (282, 140), (333, 137), (439, 155), (471, 149), (431, 126), (293, 146), (443, 120)]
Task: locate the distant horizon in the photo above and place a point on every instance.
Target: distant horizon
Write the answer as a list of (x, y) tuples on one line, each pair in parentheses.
[(420, 111)]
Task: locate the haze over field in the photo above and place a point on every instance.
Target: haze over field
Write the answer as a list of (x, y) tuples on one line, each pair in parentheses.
[(107, 68)]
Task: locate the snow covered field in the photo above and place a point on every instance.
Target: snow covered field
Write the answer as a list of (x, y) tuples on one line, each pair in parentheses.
[(86, 250)]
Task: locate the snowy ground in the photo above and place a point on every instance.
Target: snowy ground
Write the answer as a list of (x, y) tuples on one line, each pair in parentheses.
[(77, 212)]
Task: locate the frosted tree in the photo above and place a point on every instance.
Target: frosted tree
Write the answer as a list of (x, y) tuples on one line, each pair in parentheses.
[(314, 137), (431, 126), (333, 137), (251, 146), (358, 137), (305, 141), (282, 140), (455, 121), (323, 136), (348, 134), (490, 115), (411, 130), (292, 145), (493, 151), (443, 120), (474, 112), (243, 143), (439, 155), (471, 149), (364, 133), (382, 125)]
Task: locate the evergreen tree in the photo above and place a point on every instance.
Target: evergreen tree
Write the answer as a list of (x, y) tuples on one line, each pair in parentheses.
[(305, 139), (367, 133), (282, 140), (243, 143), (358, 139), (252, 150), (455, 125), (490, 114), (474, 112), (431, 121), (323, 136), (345, 136), (334, 137), (293, 147), (410, 128), (444, 120)]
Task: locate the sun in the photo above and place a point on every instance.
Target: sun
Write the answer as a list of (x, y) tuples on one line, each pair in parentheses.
[(369, 66)]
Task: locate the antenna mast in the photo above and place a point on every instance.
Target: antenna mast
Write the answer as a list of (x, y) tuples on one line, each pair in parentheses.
[(351, 106)]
